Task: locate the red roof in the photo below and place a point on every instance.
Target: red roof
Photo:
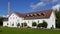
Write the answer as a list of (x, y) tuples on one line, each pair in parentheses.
[(36, 15)]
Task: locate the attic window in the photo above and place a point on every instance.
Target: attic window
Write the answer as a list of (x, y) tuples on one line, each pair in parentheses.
[(31, 15), (27, 15), (39, 14), (42, 14), (35, 14)]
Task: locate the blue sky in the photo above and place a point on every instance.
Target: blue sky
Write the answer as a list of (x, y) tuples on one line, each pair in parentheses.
[(25, 6)]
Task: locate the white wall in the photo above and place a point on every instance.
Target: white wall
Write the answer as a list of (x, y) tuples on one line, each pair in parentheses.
[(14, 19), (52, 21), (5, 23)]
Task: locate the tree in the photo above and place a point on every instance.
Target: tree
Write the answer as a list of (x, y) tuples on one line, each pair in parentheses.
[(1, 21), (34, 24), (57, 19)]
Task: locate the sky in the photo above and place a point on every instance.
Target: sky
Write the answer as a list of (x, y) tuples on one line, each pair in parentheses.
[(25, 6)]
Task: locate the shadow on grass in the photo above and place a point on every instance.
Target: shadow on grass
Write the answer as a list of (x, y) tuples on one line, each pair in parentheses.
[(0, 31)]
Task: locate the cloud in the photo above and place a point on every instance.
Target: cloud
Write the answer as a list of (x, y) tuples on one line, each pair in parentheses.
[(56, 7), (54, 0), (49, 0), (40, 4)]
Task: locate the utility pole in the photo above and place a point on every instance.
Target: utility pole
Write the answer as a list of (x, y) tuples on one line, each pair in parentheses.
[(8, 8)]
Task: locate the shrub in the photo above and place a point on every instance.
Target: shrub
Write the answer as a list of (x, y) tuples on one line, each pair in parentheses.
[(39, 25), (12, 24), (34, 24), (25, 24), (52, 27), (18, 24), (44, 24), (28, 27)]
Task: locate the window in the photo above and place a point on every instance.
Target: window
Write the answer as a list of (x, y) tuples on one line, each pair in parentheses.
[(28, 21), (16, 17), (42, 14), (13, 17), (13, 24), (39, 14), (35, 15), (7, 23), (31, 15), (27, 15), (38, 21)]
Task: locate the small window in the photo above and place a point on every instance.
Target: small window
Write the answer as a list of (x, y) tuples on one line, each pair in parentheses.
[(42, 14), (12, 24), (27, 15), (31, 15), (34, 14), (7, 24), (16, 17), (13, 17), (38, 21), (39, 14), (28, 21)]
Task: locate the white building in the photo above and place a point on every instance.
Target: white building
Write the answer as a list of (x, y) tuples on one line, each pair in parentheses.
[(46, 15)]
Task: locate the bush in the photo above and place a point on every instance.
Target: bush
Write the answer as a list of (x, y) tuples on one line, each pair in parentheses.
[(52, 27), (12, 24), (39, 25), (25, 24), (44, 24), (28, 27), (18, 24), (34, 24)]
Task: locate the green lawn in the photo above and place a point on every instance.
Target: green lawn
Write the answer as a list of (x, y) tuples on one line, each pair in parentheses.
[(4, 30)]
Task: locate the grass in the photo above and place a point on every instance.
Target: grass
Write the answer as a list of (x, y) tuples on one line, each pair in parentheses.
[(5, 30)]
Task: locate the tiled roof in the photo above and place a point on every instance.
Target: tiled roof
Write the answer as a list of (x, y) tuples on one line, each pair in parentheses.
[(36, 15)]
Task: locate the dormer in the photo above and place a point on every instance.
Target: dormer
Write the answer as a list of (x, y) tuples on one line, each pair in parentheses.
[(31, 15), (42, 14), (35, 14)]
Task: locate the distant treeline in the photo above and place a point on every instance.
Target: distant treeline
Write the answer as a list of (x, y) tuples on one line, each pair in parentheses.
[(57, 13)]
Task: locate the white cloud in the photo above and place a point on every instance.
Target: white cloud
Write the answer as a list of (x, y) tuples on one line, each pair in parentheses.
[(54, 0), (40, 4), (56, 7), (49, 0)]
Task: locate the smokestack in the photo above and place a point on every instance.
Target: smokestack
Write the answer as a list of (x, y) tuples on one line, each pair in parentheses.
[(8, 8)]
